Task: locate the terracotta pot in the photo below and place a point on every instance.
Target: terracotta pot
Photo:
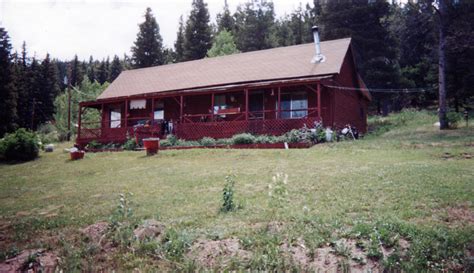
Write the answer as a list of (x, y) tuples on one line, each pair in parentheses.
[(77, 155), (151, 145)]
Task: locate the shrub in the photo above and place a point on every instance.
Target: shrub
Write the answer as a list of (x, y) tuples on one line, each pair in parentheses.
[(172, 139), (94, 144), (207, 141), (21, 145), (293, 136), (130, 144), (453, 119), (243, 139), (262, 139), (47, 133), (228, 194), (165, 143), (224, 141)]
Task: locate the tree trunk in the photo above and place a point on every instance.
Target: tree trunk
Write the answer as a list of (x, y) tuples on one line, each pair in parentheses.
[(443, 122)]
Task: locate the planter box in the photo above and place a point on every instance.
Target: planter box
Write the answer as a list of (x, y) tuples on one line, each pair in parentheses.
[(152, 145), (279, 145)]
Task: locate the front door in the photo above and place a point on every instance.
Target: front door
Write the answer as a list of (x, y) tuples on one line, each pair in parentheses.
[(256, 105)]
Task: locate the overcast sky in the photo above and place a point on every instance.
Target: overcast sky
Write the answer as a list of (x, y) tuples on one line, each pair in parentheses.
[(100, 28)]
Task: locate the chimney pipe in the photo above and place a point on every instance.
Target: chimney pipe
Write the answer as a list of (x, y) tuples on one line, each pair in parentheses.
[(318, 58)]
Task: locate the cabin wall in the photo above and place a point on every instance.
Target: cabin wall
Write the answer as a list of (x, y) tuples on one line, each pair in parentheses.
[(350, 107)]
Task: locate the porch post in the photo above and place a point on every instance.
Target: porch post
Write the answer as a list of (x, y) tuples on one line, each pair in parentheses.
[(181, 102), (79, 121), (102, 122), (319, 98), (246, 103), (126, 114), (279, 103), (152, 111), (212, 106)]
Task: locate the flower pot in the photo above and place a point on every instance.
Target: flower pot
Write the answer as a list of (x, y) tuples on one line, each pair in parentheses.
[(151, 145), (77, 155)]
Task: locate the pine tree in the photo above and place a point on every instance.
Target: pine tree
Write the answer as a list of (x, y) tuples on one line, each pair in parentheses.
[(255, 26), (103, 71), (21, 84), (8, 95), (115, 68), (223, 45), (284, 34), (225, 21), (91, 74), (198, 38), (148, 48), (48, 90), (34, 77), (179, 44), (76, 72)]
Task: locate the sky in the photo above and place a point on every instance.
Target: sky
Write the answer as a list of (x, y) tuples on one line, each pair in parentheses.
[(100, 28)]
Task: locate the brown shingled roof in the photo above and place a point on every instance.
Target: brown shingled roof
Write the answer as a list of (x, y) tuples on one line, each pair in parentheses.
[(270, 64)]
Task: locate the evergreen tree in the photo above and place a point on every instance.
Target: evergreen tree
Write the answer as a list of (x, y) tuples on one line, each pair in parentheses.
[(34, 76), (148, 48), (91, 74), (76, 72), (103, 71), (284, 33), (21, 84), (225, 21), (8, 95), (197, 35), (255, 26), (179, 44), (170, 55), (115, 68), (375, 46), (48, 89), (223, 45)]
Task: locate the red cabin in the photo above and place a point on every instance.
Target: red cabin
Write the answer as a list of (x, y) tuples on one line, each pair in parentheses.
[(263, 92)]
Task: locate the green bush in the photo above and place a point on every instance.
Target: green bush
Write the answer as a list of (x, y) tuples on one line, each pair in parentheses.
[(94, 144), (172, 139), (165, 143), (453, 119), (224, 141), (130, 144), (21, 145), (243, 139), (207, 141), (47, 133)]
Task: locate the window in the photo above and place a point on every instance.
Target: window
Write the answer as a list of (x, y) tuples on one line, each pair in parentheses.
[(115, 118), (219, 103), (294, 105), (159, 112)]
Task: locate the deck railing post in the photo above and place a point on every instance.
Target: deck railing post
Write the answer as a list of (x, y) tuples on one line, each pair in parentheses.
[(246, 104), (102, 121), (212, 106), (318, 86), (181, 102), (279, 103), (126, 115), (152, 112)]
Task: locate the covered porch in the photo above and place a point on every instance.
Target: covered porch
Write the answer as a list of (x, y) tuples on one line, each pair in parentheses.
[(261, 108)]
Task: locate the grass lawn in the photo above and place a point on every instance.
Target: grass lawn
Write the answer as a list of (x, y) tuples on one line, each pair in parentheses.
[(407, 181)]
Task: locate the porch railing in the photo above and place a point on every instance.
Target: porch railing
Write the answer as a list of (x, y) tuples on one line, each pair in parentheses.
[(197, 126)]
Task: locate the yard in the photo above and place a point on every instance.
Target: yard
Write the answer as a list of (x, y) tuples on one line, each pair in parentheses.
[(408, 188)]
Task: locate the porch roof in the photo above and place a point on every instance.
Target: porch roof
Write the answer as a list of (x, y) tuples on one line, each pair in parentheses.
[(264, 65)]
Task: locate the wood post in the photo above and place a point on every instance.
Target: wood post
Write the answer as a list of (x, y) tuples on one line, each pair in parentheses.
[(279, 103), (152, 111), (79, 122), (246, 104), (318, 85), (102, 121), (126, 114), (212, 106), (181, 102)]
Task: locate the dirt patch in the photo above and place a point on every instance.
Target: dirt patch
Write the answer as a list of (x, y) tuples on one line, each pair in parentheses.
[(150, 229), (32, 260), (275, 227), (211, 254), (95, 232), (460, 213)]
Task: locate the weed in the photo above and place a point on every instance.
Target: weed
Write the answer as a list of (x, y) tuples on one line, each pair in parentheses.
[(122, 222), (228, 203), (175, 244), (341, 249), (278, 192)]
